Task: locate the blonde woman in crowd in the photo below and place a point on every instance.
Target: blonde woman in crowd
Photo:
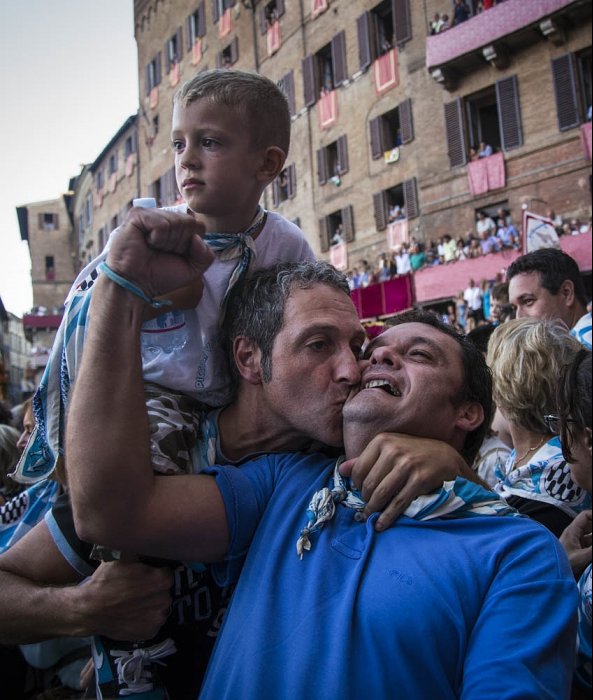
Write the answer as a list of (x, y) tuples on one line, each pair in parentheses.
[(526, 357)]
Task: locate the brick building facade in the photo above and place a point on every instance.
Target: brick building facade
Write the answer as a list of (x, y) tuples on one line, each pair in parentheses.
[(380, 117), (383, 118)]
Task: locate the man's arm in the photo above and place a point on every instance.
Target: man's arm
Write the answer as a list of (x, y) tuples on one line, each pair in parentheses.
[(41, 598), (522, 646), (117, 500)]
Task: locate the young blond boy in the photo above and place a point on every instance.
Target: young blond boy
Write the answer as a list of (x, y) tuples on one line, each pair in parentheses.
[(230, 137)]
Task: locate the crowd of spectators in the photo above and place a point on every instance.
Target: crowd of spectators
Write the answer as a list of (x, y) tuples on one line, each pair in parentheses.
[(461, 12), (492, 234)]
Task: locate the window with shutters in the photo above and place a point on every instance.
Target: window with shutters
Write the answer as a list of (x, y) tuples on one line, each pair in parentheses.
[(99, 179), (229, 55), (112, 164), (153, 73), (285, 185), (484, 122), (173, 49), (87, 211), (196, 26), (336, 228), (50, 270), (269, 14), (332, 162), (391, 130), (325, 70), (129, 146), (381, 29), (396, 203), (219, 7), (571, 75), (48, 221)]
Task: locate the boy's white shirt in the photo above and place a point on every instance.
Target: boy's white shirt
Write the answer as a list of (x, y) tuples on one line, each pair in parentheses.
[(198, 369)]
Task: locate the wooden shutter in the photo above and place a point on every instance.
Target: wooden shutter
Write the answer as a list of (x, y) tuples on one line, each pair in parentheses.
[(310, 80), (276, 192), (292, 181), (565, 90), (234, 50), (509, 113), (411, 198), (322, 166), (339, 59), (189, 44), (348, 223), (159, 70), (380, 208), (406, 122), (343, 162), (215, 11), (402, 21), (167, 59), (376, 138), (202, 19), (363, 25), (148, 79), (261, 17), (280, 10), (454, 125), (179, 44), (324, 234), (228, 3), (286, 84)]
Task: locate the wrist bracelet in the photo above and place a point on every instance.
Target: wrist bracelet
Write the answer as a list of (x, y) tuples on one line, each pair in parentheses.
[(131, 287)]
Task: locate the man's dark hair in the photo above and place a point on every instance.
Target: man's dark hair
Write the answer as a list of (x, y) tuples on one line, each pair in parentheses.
[(477, 379), (574, 401), (480, 335), (256, 305), (500, 292), (554, 267)]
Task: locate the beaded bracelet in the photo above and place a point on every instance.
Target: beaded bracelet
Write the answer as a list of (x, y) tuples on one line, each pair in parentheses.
[(131, 287)]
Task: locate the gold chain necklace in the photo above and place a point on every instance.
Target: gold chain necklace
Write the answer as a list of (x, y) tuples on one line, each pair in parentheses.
[(530, 450)]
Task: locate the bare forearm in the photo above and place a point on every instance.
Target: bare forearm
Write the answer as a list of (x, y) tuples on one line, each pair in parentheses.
[(117, 500), (30, 612), (107, 435)]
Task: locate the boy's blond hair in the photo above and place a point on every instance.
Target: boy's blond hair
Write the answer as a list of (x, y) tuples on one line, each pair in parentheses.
[(255, 98)]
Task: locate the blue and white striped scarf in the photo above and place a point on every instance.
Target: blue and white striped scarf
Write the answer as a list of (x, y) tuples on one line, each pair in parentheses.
[(46, 443), (21, 513), (455, 499)]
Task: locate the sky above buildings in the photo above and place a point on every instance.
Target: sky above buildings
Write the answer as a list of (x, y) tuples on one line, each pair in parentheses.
[(69, 80)]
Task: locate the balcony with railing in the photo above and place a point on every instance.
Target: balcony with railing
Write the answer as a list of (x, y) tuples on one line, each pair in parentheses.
[(495, 34)]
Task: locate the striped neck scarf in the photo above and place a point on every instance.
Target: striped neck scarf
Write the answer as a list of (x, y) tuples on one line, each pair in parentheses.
[(229, 246), (455, 499)]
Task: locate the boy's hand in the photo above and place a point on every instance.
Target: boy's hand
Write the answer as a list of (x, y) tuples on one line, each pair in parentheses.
[(159, 251), (395, 469)]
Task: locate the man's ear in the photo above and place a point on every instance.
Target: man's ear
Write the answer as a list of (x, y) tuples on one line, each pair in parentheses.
[(566, 291), (247, 359), (470, 417), (272, 163)]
